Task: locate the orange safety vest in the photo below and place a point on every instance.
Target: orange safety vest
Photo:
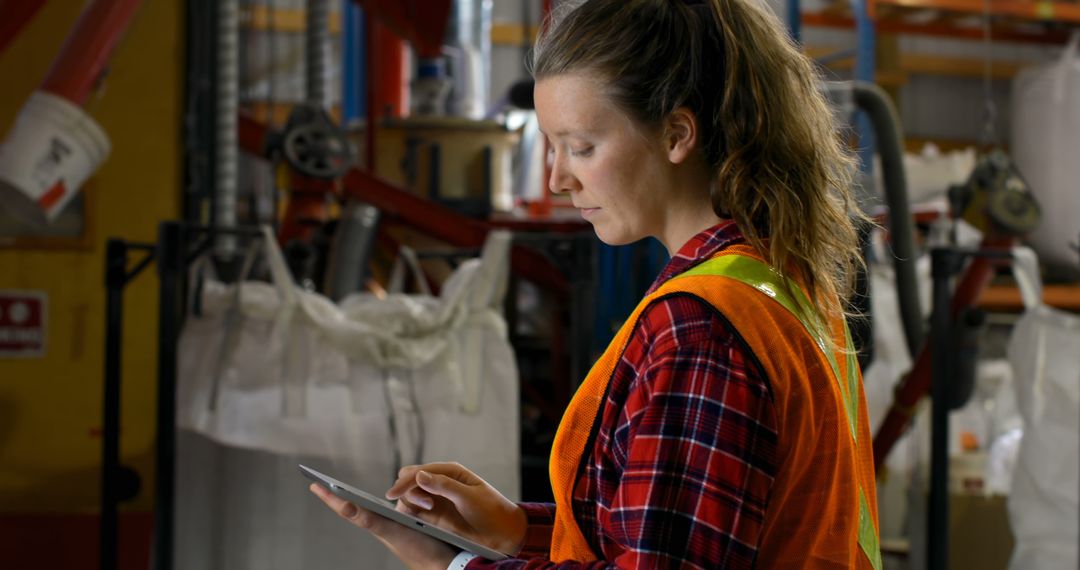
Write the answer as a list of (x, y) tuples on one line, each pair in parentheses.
[(822, 509)]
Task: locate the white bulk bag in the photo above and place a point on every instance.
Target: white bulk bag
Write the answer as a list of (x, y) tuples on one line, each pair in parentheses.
[(411, 378), (1045, 129), (275, 368), (1045, 353), (463, 405), (247, 369)]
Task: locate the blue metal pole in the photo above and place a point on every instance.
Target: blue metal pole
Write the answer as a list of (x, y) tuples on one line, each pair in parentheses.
[(353, 96), (794, 20), (606, 283), (865, 69)]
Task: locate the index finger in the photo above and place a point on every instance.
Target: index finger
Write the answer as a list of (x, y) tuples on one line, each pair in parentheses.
[(406, 480), (407, 476)]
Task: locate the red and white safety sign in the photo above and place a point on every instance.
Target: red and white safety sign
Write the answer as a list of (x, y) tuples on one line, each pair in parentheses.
[(23, 316)]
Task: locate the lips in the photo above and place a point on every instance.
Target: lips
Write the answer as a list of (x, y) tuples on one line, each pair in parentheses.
[(586, 212)]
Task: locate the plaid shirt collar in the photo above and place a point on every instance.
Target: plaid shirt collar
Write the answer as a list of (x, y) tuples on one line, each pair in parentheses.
[(701, 247)]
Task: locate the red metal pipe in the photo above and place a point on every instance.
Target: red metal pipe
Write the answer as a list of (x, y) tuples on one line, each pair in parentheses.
[(371, 112), (387, 73), (308, 207), (447, 225), (421, 22), (14, 15), (916, 384), (88, 47), (251, 134)]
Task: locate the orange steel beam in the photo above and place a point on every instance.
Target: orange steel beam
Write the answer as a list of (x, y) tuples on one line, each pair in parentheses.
[(895, 25), (1027, 10)]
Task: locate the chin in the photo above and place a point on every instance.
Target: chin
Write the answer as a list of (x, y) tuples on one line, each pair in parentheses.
[(616, 238)]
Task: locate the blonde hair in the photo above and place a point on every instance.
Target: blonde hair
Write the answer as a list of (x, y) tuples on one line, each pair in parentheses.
[(782, 171)]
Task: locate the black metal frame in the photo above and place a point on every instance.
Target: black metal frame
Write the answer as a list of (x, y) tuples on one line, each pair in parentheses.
[(946, 262), (200, 109), (117, 276), (172, 254)]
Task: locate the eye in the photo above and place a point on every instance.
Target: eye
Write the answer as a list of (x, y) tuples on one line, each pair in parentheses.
[(582, 152)]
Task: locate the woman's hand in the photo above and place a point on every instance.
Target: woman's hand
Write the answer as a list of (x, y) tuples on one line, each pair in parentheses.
[(451, 497), (416, 550)]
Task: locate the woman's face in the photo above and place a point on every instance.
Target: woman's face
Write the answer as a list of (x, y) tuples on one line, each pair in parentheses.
[(615, 171)]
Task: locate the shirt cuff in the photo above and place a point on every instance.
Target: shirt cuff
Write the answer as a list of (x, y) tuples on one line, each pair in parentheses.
[(461, 561), (541, 522)]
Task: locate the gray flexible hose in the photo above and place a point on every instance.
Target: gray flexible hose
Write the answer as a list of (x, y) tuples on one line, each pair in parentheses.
[(886, 122), (227, 103), (350, 250), (316, 39)]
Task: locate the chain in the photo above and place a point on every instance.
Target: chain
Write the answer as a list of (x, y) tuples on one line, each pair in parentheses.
[(990, 112)]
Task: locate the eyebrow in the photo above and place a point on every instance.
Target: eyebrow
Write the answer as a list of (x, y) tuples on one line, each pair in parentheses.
[(568, 132)]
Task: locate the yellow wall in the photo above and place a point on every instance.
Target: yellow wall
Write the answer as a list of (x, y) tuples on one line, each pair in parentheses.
[(50, 408)]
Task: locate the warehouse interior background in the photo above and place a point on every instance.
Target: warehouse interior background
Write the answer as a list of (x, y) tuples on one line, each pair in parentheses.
[(231, 141)]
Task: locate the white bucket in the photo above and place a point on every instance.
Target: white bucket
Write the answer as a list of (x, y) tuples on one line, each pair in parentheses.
[(47, 156)]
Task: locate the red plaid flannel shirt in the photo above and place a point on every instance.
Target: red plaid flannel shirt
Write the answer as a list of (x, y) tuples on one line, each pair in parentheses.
[(688, 423)]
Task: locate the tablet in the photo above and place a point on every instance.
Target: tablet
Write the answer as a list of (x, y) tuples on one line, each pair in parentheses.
[(386, 509)]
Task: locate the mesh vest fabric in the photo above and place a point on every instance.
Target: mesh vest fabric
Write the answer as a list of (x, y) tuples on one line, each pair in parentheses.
[(822, 511)]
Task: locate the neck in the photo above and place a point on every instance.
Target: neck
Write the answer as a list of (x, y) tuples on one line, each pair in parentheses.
[(690, 210)]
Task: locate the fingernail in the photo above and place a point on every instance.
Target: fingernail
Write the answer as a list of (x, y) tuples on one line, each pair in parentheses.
[(423, 476)]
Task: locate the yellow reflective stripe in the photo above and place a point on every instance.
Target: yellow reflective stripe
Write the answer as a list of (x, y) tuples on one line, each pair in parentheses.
[(868, 538), (763, 278), (852, 400)]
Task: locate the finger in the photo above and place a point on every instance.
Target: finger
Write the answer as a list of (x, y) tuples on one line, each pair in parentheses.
[(346, 510), (407, 476), (331, 500), (451, 469), (404, 507), (409, 471), (419, 498), (406, 480), (443, 486)]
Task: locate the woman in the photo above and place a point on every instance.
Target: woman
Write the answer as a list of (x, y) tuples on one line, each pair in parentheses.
[(725, 425)]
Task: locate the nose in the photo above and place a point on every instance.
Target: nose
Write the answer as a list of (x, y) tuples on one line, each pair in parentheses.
[(560, 180)]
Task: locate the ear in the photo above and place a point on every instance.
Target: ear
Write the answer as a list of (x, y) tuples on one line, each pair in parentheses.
[(680, 135)]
